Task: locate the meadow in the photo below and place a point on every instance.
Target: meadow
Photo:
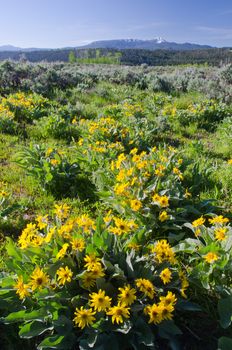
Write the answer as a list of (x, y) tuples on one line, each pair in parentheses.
[(115, 207)]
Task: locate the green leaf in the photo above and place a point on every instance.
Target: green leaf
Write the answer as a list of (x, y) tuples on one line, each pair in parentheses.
[(225, 311), (58, 342), (51, 342), (34, 328), (92, 338), (23, 315), (225, 343), (187, 305), (12, 250), (145, 334), (168, 329)]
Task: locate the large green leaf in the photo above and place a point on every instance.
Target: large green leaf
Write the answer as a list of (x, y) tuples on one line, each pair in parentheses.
[(224, 343), (12, 250), (23, 315), (225, 311), (34, 328), (58, 342), (168, 329)]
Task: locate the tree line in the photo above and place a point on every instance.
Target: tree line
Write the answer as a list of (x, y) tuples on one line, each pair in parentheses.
[(213, 57)]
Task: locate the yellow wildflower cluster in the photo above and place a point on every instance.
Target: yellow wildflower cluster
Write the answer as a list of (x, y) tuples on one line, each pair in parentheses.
[(163, 310), (163, 252)]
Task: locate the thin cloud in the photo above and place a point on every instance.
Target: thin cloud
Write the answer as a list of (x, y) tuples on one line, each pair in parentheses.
[(216, 33), (146, 26)]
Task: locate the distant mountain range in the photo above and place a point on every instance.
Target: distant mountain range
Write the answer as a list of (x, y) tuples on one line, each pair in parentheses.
[(12, 48), (153, 44), (120, 44)]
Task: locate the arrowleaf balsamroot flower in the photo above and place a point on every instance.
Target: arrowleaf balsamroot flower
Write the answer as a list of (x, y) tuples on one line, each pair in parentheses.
[(39, 279), (211, 257), (64, 275), (99, 301), (220, 233), (135, 204), (22, 288), (170, 298), (118, 313), (145, 286), (198, 222), (78, 244), (88, 280), (166, 275), (163, 216), (154, 312), (163, 251), (91, 261), (62, 252), (127, 295), (62, 210), (42, 221), (84, 317), (218, 220)]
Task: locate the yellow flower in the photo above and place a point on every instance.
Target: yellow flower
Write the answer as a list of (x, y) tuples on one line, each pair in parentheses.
[(84, 317), (64, 275), (42, 221), (88, 280), (119, 312), (3, 193), (184, 284), (22, 288), (211, 257), (61, 253), (229, 161), (91, 261), (78, 244), (163, 216), (39, 279), (170, 298), (154, 312), (80, 142), (99, 301), (50, 234), (121, 189), (85, 222), (198, 222), (122, 225), (127, 295), (62, 210), (134, 151), (163, 251), (133, 245), (163, 201), (218, 220), (133, 181), (197, 232), (166, 275), (30, 236), (220, 233), (145, 286), (166, 311), (54, 161), (135, 204), (187, 194), (97, 271), (120, 159), (121, 175)]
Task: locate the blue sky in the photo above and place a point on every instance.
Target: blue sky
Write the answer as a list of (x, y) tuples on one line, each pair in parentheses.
[(60, 23)]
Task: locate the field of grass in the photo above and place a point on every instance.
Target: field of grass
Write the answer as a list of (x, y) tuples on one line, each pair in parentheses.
[(115, 207)]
